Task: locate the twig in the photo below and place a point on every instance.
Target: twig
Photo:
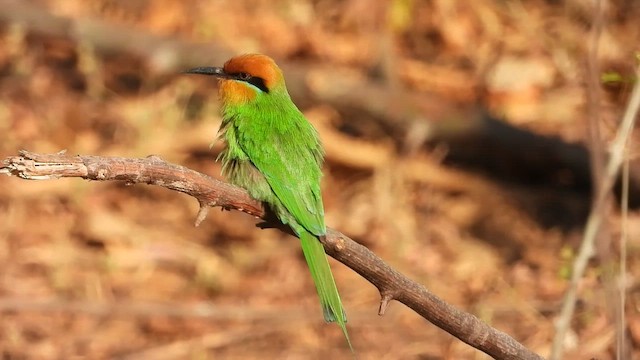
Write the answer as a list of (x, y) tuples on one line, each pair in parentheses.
[(209, 192), (595, 219), (621, 328)]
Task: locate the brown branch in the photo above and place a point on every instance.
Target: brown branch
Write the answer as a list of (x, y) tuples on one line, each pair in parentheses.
[(210, 192)]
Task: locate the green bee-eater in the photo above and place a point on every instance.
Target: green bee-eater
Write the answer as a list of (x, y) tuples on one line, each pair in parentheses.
[(274, 153)]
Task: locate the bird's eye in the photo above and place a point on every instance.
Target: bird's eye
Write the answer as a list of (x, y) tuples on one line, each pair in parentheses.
[(244, 76)]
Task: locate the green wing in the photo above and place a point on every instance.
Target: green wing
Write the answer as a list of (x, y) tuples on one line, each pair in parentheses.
[(288, 153), (286, 150)]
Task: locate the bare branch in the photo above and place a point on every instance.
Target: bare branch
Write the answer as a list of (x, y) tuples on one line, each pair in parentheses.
[(210, 192)]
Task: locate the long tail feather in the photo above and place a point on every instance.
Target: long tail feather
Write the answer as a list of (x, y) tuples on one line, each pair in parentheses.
[(325, 284)]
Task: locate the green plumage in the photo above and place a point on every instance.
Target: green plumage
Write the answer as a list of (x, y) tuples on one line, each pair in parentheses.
[(274, 153)]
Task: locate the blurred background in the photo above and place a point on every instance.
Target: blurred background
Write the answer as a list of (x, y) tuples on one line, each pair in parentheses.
[(457, 140)]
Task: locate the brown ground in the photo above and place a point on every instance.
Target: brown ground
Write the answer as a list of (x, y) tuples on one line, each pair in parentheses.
[(103, 270)]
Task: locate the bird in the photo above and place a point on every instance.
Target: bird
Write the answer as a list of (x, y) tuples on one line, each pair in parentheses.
[(272, 151)]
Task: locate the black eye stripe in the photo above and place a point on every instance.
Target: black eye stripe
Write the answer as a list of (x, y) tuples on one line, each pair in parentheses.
[(253, 80), (259, 83)]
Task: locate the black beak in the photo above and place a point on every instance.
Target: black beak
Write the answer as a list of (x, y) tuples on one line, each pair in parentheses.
[(211, 71)]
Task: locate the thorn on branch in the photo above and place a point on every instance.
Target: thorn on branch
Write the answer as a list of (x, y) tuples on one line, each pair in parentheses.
[(203, 212), (384, 302)]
